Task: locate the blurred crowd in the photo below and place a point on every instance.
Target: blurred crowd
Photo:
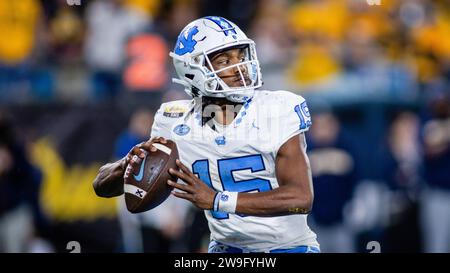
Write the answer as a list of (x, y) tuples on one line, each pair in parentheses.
[(101, 49), (75, 79)]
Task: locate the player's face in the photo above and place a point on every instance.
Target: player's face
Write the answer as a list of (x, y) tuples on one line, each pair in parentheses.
[(231, 76)]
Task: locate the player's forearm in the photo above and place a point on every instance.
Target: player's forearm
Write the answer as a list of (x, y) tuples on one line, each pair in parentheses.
[(109, 181), (278, 202)]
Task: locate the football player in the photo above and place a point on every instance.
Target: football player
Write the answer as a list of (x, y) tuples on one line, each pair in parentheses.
[(242, 151)]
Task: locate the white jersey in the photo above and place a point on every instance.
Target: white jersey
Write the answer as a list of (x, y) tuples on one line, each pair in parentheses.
[(240, 157)]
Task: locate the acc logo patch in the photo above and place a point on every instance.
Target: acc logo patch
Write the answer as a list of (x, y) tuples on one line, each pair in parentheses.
[(174, 111), (181, 129)]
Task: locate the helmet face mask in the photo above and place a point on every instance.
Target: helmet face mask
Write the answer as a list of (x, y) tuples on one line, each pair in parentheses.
[(197, 43)]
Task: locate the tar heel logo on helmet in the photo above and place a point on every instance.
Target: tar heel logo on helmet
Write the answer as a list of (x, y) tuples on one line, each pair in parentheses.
[(186, 43), (181, 129)]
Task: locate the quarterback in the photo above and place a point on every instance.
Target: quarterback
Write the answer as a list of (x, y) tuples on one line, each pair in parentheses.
[(242, 151)]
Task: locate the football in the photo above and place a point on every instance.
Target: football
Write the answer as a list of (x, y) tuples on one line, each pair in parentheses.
[(146, 187)]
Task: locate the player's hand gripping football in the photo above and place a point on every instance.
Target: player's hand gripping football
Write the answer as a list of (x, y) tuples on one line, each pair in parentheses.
[(194, 190), (109, 180), (138, 153)]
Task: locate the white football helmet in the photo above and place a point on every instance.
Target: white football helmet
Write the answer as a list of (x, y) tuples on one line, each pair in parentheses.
[(190, 58)]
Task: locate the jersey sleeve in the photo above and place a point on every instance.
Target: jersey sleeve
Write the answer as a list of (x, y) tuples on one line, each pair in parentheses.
[(161, 124), (294, 117)]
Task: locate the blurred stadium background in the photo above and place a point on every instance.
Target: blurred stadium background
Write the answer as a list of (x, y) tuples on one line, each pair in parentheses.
[(79, 85)]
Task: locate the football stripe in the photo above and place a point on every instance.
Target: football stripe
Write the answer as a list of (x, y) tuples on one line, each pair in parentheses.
[(162, 148), (134, 190)]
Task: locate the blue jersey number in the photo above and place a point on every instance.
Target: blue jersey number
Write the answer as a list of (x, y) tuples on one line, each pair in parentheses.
[(226, 167)]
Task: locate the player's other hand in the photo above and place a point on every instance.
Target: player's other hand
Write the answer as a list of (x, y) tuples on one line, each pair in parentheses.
[(194, 190)]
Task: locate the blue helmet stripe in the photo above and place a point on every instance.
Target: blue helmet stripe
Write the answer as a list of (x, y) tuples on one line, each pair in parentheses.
[(223, 24)]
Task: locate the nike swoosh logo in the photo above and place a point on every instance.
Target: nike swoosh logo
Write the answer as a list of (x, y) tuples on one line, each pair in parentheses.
[(141, 171)]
